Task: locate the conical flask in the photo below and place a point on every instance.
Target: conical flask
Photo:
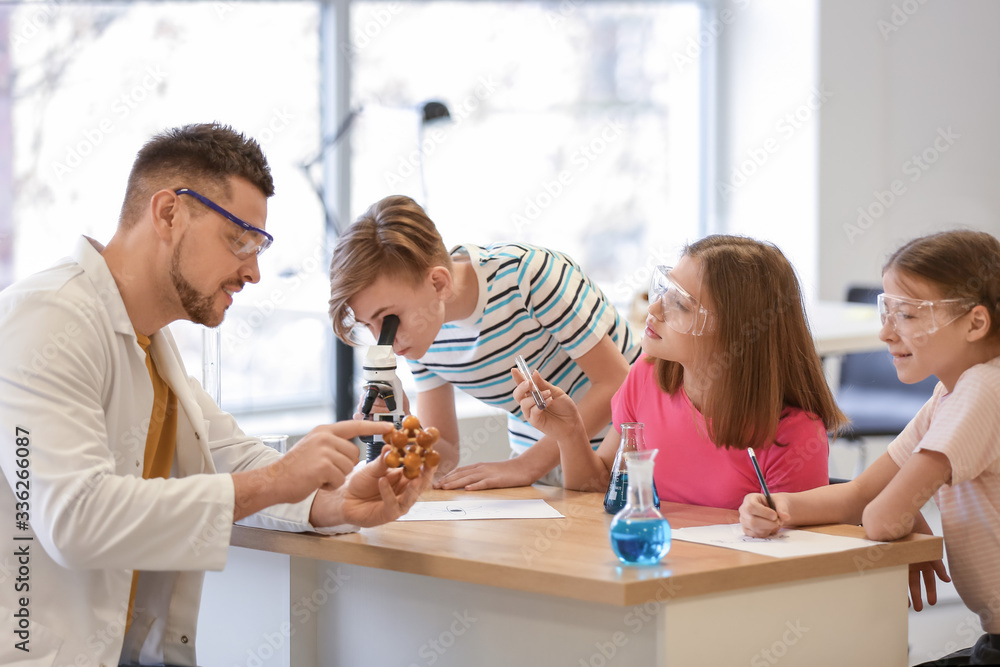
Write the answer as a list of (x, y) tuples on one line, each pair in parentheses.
[(617, 493), (639, 534)]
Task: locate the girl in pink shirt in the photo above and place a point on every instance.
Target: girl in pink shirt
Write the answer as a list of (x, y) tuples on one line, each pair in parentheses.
[(728, 364), (941, 317)]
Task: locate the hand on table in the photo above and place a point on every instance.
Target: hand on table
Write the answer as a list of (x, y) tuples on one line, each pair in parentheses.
[(490, 475), (759, 520)]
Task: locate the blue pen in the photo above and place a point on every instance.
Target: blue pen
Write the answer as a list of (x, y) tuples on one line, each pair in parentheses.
[(760, 477)]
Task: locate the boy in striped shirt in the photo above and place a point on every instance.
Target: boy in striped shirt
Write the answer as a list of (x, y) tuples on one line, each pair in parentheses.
[(465, 315)]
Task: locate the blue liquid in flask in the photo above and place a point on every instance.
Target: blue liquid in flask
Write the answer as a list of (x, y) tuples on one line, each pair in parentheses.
[(617, 494), (640, 541)]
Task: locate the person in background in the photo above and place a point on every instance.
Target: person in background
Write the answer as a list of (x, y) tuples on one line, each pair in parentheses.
[(463, 317), (728, 363), (941, 317), (122, 478)]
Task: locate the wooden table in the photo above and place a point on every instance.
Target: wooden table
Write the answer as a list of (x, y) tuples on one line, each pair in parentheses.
[(551, 592)]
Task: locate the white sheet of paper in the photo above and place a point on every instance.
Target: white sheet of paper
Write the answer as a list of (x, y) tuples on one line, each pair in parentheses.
[(788, 542), (471, 508)]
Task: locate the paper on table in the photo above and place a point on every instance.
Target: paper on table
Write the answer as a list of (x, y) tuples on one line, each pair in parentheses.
[(472, 508), (786, 543)]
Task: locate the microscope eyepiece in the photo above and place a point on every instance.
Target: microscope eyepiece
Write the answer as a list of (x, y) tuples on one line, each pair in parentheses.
[(387, 334)]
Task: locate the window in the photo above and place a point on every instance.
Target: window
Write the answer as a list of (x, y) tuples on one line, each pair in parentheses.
[(94, 81), (571, 125)]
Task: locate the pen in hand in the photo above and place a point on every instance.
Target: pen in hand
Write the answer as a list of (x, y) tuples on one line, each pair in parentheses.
[(760, 478)]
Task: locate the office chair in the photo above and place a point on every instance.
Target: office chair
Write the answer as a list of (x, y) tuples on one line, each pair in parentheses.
[(871, 395)]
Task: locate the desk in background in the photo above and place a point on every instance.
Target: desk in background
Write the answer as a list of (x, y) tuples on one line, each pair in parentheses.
[(551, 592), (841, 327), (838, 327)]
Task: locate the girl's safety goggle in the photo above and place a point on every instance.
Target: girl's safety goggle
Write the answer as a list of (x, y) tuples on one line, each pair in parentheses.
[(912, 318), (682, 312)]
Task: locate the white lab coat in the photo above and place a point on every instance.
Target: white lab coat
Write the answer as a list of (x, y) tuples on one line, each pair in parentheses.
[(74, 377)]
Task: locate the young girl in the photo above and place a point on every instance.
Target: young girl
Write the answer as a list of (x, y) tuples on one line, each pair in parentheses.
[(728, 363), (941, 317)]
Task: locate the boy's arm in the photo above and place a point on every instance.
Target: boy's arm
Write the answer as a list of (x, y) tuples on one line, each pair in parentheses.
[(436, 407), (606, 369)]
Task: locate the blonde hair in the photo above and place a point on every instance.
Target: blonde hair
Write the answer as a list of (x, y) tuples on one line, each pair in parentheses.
[(761, 358), (394, 238), (964, 264)]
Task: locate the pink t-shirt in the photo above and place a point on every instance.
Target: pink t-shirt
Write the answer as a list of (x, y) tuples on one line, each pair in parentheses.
[(965, 426), (691, 469)]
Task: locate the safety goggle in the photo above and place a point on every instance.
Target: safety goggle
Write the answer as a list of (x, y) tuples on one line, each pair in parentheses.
[(681, 312), (914, 318), (253, 240)]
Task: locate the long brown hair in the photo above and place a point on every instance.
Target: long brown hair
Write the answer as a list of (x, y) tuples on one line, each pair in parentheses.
[(964, 264), (394, 238), (761, 357)]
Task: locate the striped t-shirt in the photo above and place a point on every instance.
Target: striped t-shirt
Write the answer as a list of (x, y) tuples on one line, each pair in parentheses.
[(534, 302), (965, 426)]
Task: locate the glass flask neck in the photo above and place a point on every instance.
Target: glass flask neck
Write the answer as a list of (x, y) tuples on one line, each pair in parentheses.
[(640, 484), (632, 437)]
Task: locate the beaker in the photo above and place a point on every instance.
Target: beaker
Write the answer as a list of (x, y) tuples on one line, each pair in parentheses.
[(631, 441), (639, 534)]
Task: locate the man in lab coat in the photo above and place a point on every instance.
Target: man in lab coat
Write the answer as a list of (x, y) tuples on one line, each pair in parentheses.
[(122, 476)]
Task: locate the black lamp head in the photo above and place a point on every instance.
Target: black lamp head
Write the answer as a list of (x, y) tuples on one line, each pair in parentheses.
[(434, 110)]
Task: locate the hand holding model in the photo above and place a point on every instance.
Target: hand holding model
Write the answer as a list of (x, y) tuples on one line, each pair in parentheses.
[(411, 448)]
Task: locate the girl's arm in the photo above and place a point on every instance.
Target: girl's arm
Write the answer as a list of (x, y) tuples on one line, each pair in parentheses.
[(894, 512), (926, 570), (837, 503), (606, 369), (561, 421)]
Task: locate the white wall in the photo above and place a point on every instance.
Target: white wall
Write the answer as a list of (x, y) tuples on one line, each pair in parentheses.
[(896, 92), (769, 105), (894, 76)]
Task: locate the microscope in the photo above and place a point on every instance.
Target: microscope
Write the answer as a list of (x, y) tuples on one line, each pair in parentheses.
[(380, 380)]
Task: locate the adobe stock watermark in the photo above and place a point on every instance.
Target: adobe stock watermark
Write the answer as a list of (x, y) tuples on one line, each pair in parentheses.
[(364, 33), (899, 17), (562, 11), (121, 108), (635, 620), (33, 22), (786, 128), (771, 655), (638, 280), (492, 424), (433, 649), (544, 538), (914, 168), (584, 155), (708, 34), (57, 343), (408, 164), (302, 611), (262, 311), (223, 8), (280, 120)]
